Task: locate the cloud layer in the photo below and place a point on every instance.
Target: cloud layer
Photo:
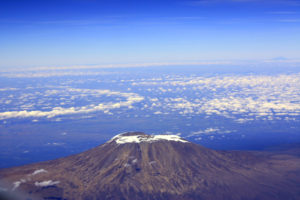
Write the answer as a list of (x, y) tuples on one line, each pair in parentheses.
[(130, 99), (254, 96), (242, 98)]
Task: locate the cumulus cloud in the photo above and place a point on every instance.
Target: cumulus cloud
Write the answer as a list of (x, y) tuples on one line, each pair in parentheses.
[(46, 183), (16, 184), (38, 171), (29, 177), (252, 96), (243, 98), (130, 99), (209, 131)]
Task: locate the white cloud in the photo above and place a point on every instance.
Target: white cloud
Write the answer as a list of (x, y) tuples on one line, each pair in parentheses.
[(247, 97), (46, 183), (243, 120), (7, 89), (16, 184), (209, 131), (130, 99), (55, 143), (38, 171), (251, 96)]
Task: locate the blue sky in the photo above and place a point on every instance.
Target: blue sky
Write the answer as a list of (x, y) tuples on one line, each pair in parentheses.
[(79, 32)]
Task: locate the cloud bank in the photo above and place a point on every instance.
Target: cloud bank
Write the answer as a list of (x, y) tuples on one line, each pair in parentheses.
[(130, 99)]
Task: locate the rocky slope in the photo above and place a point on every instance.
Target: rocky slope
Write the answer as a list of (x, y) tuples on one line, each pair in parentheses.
[(139, 166)]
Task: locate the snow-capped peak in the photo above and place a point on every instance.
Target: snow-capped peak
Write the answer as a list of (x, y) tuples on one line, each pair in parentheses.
[(123, 139)]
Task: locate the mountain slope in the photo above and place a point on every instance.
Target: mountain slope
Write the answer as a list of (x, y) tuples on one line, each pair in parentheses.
[(139, 166)]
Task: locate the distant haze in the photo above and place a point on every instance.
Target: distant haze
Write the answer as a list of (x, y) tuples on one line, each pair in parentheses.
[(69, 32)]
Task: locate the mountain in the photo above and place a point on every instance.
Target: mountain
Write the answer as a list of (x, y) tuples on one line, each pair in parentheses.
[(161, 167)]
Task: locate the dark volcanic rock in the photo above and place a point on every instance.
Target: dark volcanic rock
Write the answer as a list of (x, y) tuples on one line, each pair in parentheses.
[(138, 166)]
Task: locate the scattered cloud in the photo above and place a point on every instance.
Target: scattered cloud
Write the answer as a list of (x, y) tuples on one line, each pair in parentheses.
[(29, 177), (252, 96), (242, 98), (129, 100)]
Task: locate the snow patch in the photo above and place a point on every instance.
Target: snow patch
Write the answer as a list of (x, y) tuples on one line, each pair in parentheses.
[(119, 139)]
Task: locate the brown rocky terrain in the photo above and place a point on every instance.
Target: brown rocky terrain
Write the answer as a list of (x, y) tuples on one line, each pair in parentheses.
[(138, 166)]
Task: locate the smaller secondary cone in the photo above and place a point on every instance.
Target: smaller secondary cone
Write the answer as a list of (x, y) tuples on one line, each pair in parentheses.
[(139, 166)]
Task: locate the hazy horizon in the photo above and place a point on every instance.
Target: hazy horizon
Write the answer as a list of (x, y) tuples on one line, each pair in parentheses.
[(79, 32)]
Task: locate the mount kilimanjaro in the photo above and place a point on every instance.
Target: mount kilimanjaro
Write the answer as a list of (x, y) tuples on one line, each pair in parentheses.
[(136, 166)]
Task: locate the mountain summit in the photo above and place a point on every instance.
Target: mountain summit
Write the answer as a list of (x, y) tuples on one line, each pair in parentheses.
[(138, 166), (138, 137)]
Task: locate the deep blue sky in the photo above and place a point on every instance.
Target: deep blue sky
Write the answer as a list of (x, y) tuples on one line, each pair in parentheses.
[(67, 32)]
